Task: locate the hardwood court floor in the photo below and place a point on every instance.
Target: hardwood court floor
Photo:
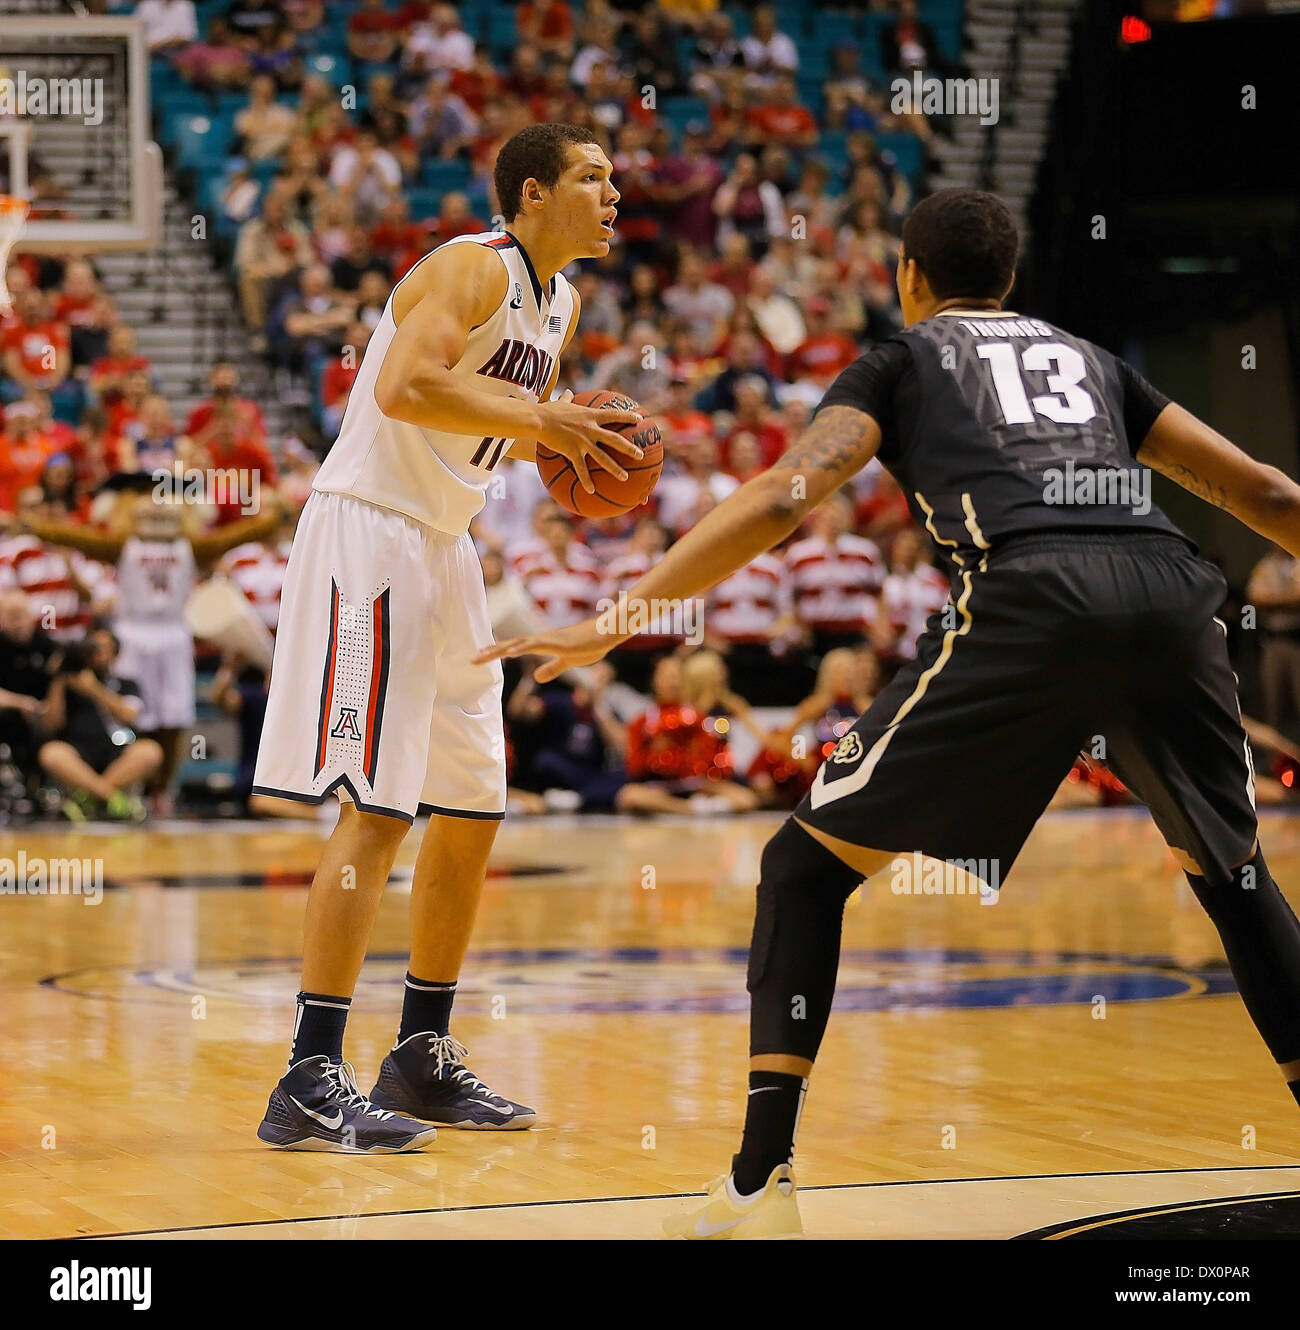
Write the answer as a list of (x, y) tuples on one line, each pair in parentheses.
[(973, 1082)]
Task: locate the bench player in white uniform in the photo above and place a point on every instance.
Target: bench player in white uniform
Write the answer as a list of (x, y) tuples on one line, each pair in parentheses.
[(373, 694)]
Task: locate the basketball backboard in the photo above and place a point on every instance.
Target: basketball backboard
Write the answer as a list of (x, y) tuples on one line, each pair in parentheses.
[(74, 132)]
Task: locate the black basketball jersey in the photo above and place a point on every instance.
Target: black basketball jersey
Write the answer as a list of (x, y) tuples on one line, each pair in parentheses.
[(995, 424)]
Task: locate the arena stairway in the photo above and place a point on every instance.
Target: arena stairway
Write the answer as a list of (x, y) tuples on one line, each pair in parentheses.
[(1025, 45)]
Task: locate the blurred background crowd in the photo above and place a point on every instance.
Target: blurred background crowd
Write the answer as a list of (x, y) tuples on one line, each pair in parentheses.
[(763, 179)]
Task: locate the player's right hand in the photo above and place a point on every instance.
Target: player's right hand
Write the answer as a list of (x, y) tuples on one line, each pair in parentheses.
[(577, 433)]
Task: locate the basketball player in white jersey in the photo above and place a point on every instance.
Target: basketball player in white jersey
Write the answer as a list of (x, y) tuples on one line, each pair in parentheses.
[(373, 695)]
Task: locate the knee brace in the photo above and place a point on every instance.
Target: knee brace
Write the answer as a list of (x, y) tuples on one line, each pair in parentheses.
[(1261, 939), (795, 950)]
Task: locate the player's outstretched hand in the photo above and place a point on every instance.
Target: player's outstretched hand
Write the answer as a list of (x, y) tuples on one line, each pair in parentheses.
[(577, 433), (581, 644)]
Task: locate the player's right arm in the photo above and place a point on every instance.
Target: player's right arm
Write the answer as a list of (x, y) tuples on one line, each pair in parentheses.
[(454, 291), (1204, 463)]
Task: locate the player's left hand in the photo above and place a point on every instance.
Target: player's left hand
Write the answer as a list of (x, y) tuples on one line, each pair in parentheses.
[(580, 644)]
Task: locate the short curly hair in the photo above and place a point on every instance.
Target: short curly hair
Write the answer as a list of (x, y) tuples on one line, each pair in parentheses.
[(965, 243), (538, 152)]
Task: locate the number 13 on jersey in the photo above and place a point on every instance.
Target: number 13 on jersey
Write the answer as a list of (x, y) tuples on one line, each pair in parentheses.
[(1065, 401)]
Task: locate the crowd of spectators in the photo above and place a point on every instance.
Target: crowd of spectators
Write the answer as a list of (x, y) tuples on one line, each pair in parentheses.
[(749, 270)]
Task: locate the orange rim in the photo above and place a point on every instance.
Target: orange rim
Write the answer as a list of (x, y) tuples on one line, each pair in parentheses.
[(9, 203)]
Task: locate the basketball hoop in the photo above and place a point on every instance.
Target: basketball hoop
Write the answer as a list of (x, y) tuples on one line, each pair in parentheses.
[(13, 216)]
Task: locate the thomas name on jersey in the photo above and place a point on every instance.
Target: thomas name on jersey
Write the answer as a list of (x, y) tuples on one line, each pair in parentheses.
[(1006, 328)]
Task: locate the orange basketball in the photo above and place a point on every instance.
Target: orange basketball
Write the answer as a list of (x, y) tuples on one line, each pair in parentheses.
[(612, 496)]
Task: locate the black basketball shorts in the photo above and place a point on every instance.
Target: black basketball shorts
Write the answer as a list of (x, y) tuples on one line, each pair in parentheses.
[(1097, 642)]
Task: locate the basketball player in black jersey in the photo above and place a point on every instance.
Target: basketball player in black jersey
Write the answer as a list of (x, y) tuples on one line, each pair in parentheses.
[(1077, 609)]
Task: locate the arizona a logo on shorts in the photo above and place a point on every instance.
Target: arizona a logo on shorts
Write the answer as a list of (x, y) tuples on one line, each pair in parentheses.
[(354, 685), (849, 749), (346, 726)]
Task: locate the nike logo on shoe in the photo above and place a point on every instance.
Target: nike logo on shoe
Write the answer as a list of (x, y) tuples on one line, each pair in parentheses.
[(703, 1230), (333, 1124), (505, 1112)]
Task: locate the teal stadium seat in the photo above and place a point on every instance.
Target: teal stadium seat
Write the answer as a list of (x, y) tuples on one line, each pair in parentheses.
[(502, 33), (203, 141), (444, 176), (425, 200), (678, 112), (908, 154)]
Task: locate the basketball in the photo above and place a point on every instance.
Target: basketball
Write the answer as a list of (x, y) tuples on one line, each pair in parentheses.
[(613, 496)]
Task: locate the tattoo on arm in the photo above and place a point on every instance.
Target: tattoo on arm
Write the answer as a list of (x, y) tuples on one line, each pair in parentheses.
[(1193, 484), (830, 443), (837, 444)]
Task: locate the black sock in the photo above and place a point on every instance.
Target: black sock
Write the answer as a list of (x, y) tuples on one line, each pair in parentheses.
[(771, 1121), (1261, 939), (319, 1027), (426, 1006)]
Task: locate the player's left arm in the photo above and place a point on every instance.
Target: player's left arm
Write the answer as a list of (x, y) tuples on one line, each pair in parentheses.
[(1203, 462), (840, 441), (526, 449)]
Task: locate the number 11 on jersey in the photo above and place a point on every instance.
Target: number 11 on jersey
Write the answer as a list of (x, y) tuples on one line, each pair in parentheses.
[(482, 450)]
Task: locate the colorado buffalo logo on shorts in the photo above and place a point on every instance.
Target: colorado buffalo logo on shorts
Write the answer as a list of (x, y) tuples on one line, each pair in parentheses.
[(849, 749)]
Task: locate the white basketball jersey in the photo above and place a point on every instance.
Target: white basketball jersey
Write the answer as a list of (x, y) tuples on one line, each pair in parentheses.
[(154, 580), (440, 479)]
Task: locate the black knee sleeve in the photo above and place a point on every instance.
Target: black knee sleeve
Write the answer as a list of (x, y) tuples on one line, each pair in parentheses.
[(1261, 939), (795, 949)]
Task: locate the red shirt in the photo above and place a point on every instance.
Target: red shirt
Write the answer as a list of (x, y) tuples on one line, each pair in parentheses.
[(336, 382), (736, 280), (390, 238), (822, 358), (474, 87), (248, 413), (690, 424), (115, 367), (246, 454), (772, 441), (557, 22), (76, 313), (21, 464), (781, 122), (33, 343), (675, 742), (374, 21)]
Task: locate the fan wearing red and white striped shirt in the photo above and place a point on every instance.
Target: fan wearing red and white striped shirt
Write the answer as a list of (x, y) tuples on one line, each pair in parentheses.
[(564, 579), (523, 551), (751, 621), (66, 588), (836, 577), (634, 659), (257, 569), (914, 590)]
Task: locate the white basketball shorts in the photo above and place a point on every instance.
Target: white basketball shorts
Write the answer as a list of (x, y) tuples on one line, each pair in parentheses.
[(160, 660), (373, 695)]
